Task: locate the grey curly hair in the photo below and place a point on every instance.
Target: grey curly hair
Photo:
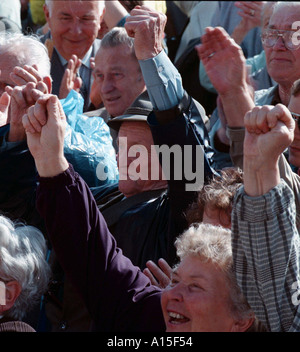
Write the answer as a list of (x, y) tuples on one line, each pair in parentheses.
[(213, 244)]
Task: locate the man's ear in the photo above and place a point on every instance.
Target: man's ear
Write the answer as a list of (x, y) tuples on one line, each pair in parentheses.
[(102, 16), (48, 81), (242, 325), (12, 292), (46, 12)]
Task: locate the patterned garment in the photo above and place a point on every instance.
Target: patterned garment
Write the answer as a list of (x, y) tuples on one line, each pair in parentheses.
[(266, 248)]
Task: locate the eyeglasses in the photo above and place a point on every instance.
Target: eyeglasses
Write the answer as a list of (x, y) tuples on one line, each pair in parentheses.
[(290, 38), (296, 117)]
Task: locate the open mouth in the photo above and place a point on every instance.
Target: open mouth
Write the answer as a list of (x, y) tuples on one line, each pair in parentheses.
[(111, 100), (177, 319)]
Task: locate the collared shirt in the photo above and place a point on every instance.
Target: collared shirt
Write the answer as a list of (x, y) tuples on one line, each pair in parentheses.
[(163, 81), (266, 249)]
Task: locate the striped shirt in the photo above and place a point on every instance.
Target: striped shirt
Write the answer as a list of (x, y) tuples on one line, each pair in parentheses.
[(266, 248)]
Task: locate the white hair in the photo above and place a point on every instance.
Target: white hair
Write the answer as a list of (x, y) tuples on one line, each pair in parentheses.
[(101, 4), (23, 259), (28, 50), (283, 4), (212, 244)]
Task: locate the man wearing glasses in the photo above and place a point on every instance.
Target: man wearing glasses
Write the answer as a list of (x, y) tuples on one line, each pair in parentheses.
[(225, 65)]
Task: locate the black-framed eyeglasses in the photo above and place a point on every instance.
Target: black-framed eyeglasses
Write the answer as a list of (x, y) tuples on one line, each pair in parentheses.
[(290, 38), (296, 117)]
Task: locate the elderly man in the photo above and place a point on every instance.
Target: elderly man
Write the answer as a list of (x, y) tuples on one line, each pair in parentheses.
[(117, 76), (74, 27), (230, 80)]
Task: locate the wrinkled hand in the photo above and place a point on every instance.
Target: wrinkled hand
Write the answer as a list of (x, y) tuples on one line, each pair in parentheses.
[(70, 79), (29, 86), (159, 275), (45, 124), (251, 13), (223, 60), (23, 75), (21, 99), (4, 106), (147, 27), (269, 131)]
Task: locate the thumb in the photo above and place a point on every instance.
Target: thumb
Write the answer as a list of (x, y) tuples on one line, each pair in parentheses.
[(53, 108), (4, 102)]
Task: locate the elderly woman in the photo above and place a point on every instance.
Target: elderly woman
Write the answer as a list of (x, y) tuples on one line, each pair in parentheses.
[(203, 294), (24, 273)]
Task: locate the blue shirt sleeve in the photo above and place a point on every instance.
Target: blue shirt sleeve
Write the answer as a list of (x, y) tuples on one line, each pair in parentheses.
[(163, 81)]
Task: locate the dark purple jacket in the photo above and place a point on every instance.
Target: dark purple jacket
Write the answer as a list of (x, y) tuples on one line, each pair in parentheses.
[(117, 294)]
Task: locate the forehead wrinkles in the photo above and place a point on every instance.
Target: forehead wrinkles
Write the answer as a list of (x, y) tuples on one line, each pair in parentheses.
[(119, 54), (75, 8), (284, 18)]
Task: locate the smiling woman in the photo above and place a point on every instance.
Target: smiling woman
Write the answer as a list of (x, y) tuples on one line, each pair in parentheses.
[(203, 294)]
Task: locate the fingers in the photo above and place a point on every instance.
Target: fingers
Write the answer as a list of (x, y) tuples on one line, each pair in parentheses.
[(214, 42), (47, 107), (36, 116), (4, 102), (71, 79), (22, 75), (144, 20), (92, 62), (26, 96), (152, 279), (4, 105), (159, 275), (262, 119), (249, 6)]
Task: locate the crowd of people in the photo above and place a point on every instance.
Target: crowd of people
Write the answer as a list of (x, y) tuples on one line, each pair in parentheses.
[(149, 166)]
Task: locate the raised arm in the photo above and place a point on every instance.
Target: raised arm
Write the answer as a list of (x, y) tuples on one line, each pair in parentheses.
[(224, 63), (161, 77), (265, 240), (108, 282)]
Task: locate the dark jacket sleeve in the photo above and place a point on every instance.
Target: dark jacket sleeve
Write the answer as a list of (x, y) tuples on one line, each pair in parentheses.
[(183, 127), (18, 179), (117, 294)]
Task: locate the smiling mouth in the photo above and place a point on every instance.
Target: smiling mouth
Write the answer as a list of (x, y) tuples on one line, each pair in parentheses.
[(297, 149), (177, 319), (111, 100)]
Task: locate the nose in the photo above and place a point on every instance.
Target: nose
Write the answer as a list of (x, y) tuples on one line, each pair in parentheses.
[(280, 44), (106, 85), (75, 26), (175, 292)]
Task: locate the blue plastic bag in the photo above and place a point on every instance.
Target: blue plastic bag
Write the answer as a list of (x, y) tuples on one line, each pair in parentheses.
[(88, 144)]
